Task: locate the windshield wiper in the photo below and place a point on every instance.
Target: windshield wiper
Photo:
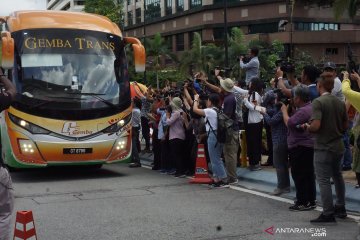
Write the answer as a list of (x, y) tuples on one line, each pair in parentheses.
[(97, 96)]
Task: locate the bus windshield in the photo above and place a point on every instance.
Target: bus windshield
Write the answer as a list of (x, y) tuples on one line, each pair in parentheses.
[(70, 70)]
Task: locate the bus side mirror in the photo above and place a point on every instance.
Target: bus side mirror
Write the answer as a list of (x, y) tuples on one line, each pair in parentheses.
[(7, 43), (139, 53)]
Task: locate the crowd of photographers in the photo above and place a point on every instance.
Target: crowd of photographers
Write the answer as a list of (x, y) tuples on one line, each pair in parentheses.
[(307, 118)]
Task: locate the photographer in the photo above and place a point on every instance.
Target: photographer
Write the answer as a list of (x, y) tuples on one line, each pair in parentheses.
[(136, 125), (6, 189), (354, 98), (274, 118), (330, 67), (251, 67), (301, 150), (214, 147), (254, 124), (329, 122), (145, 109), (309, 76), (289, 69)]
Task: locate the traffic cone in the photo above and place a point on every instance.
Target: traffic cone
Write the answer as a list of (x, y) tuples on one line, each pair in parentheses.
[(24, 226), (201, 170), (243, 155)]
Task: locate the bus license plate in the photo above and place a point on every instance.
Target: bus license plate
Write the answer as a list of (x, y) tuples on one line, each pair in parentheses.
[(77, 150)]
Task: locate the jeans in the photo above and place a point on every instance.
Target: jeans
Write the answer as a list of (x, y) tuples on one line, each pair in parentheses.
[(230, 155), (281, 163), (134, 140), (215, 150), (302, 171), (347, 159), (328, 165)]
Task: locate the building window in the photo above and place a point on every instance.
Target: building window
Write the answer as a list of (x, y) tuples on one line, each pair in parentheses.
[(129, 2), (218, 33), (152, 9), (130, 18), (179, 5), (138, 15), (301, 26), (331, 51), (79, 3), (180, 42), (195, 3), (264, 28), (168, 42), (168, 7)]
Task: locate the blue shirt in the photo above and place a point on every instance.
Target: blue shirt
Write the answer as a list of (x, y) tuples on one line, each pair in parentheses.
[(162, 124), (252, 68), (274, 118)]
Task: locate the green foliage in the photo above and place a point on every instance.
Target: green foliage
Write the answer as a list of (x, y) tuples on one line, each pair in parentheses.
[(156, 48), (108, 8), (339, 6), (301, 60), (200, 57)]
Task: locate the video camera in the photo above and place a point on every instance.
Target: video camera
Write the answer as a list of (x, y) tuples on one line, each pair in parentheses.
[(352, 67), (245, 59)]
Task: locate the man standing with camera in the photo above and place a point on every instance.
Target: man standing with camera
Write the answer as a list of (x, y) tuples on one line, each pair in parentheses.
[(251, 67), (329, 123), (6, 189)]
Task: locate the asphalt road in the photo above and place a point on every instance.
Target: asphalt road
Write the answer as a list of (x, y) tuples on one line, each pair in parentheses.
[(116, 202)]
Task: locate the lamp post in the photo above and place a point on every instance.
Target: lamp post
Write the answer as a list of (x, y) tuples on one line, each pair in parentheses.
[(291, 8), (145, 80), (226, 35)]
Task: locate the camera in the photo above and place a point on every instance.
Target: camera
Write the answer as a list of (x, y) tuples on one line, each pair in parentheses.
[(285, 65), (245, 59), (224, 72)]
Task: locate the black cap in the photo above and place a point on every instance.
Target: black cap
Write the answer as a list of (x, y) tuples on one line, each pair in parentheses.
[(330, 65)]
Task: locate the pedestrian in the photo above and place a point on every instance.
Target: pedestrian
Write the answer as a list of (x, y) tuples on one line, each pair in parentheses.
[(175, 122), (354, 99), (6, 188), (251, 67), (301, 149), (255, 124), (329, 122), (136, 124), (274, 118), (146, 101), (214, 147), (330, 67)]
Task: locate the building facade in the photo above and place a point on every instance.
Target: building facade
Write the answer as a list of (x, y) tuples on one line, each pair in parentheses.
[(65, 5), (313, 29)]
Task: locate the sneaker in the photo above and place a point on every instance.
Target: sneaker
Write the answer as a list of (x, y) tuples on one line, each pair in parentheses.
[(179, 175), (279, 191), (340, 212), (220, 184), (134, 165), (171, 172), (233, 182), (312, 205), (346, 168), (322, 219), (254, 167), (162, 171), (299, 207)]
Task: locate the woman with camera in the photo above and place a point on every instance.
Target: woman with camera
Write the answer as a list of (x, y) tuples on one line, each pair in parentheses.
[(214, 147), (254, 124)]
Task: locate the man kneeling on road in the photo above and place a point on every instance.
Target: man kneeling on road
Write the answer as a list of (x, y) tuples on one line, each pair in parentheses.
[(6, 190)]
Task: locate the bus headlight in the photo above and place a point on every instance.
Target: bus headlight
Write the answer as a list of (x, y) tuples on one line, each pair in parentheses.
[(34, 129), (121, 144), (26, 146), (118, 125)]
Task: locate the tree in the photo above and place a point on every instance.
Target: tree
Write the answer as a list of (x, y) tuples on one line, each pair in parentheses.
[(237, 47), (108, 8), (157, 49), (201, 57)]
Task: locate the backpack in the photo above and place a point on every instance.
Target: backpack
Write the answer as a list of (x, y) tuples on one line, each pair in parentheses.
[(224, 130)]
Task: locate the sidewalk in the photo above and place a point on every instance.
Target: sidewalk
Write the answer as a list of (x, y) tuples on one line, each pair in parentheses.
[(266, 181)]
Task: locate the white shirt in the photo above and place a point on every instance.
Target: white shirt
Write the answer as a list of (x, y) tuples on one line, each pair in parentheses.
[(337, 90), (210, 117), (254, 116)]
